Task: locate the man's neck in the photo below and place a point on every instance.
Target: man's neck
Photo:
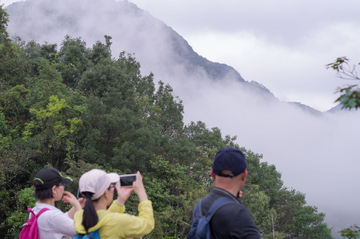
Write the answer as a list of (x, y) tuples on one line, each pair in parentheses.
[(231, 190)]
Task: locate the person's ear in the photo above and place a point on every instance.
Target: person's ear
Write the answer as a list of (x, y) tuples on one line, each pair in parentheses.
[(243, 175), (106, 193), (213, 175), (53, 190)]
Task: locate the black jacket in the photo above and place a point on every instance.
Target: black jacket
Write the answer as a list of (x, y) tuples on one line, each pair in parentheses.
[(232, 220)]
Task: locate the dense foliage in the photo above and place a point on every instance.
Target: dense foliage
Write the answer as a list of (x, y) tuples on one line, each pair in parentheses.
[(77, 108)]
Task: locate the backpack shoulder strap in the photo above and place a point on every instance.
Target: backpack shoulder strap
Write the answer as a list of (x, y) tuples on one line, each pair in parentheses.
[(216, 205), (37, 215), (90, 235), (197, 209), (32, 212), (41, 212), (200, 211)]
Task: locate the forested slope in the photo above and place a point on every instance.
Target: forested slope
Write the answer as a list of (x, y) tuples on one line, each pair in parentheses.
[(75, 108)]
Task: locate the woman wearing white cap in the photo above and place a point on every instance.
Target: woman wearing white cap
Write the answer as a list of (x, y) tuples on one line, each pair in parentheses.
[(98, 188)]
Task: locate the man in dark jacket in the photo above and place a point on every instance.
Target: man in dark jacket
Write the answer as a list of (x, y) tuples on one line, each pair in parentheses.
[(232, 220)]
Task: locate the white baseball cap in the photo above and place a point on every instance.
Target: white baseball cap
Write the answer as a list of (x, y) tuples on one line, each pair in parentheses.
[(97, 181)]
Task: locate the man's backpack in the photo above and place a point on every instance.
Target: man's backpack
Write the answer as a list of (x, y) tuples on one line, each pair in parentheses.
[(91, 235), (200, 227), (30, 228)]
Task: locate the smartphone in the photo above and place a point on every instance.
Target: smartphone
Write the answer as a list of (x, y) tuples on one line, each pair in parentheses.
[(127, 180)]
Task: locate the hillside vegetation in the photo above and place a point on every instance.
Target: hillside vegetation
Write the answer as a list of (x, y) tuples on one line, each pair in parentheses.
[(76, 108)]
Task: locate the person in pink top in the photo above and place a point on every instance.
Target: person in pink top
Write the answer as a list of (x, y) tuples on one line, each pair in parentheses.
[(49, 187)]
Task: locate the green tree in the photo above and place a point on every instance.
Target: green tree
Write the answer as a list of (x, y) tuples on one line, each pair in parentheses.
[(13, 113), (263, 175), (350, 95), (74, 60), (351, 232), (8, 49), (296, 219), (258, 204), (25, 199)]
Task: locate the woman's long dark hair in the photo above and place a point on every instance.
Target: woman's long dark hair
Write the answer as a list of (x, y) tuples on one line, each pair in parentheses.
[(90, 217)]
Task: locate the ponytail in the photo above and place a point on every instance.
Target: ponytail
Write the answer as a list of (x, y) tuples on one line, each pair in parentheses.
[(90, 217)]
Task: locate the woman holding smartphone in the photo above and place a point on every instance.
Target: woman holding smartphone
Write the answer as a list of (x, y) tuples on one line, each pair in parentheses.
[(98, 188)]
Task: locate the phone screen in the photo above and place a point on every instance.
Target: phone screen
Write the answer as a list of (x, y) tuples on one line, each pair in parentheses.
[(127, 180)]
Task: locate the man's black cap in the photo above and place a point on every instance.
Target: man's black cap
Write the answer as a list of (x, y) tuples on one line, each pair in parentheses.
[(231, 159), (49, 177)]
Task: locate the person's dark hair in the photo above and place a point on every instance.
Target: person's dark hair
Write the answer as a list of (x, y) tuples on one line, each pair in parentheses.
[(42, 193), (90, 217)]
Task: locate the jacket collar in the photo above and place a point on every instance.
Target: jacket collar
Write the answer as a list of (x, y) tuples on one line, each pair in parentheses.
[(225, 193)]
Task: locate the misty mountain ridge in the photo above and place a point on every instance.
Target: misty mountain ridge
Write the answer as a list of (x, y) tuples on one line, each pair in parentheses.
[(43, 20), (157, 47)]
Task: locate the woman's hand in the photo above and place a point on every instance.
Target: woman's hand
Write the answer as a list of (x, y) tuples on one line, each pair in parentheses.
[(82, 202), (139, 188), (123, 193), (70, 198), (77, 204)]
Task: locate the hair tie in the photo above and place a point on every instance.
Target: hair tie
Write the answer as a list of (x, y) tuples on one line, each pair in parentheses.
[(87, 195)]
